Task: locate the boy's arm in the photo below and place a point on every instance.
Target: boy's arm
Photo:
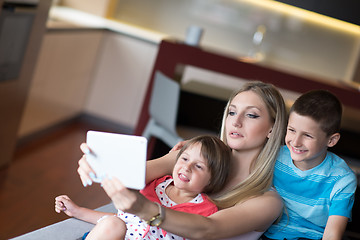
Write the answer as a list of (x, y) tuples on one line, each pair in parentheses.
[(335, 227)]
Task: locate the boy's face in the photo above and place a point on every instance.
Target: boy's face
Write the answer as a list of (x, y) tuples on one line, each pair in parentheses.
[(307, 142), (191, 173)]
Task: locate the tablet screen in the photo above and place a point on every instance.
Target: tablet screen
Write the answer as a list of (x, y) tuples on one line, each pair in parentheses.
[(118, 155)]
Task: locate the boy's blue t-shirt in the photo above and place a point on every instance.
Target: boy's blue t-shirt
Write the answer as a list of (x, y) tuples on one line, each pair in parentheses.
[(311, 196)]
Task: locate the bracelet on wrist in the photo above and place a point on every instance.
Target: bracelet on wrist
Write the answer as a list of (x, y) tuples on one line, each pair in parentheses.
[(158, 218)]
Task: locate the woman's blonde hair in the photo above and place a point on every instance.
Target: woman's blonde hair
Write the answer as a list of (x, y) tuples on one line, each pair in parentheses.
[(262, 169)]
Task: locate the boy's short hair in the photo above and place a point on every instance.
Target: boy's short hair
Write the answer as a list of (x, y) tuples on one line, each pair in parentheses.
[(218, 156), (323, 107)]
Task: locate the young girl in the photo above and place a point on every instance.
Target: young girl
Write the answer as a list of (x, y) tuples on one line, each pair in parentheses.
[(253, 127), (202, 165)]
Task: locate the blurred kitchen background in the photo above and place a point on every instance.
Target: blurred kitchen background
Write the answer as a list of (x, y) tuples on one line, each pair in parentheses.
[(92, 60)]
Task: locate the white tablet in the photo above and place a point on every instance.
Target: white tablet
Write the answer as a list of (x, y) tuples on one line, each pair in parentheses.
[(118, 155)]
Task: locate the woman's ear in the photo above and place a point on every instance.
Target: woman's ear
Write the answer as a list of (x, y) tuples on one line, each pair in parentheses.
[(269, 134), (333, 139)]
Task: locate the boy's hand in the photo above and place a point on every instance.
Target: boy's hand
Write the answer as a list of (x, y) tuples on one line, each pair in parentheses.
[(64, 204)]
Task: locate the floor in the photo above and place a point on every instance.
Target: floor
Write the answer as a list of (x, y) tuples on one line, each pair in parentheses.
[(41, 170)]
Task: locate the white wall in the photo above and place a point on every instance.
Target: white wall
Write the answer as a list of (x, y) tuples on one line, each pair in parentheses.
[(97, 7)]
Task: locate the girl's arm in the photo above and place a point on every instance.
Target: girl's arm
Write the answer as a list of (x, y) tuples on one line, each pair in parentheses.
[(154, 168), (255, 214), (161, 166), (64, 204), (90, 215)]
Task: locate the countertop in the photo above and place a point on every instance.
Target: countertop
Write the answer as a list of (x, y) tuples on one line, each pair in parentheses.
[(68, 18)]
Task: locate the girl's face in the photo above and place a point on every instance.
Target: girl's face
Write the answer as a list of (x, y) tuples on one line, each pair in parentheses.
[(248, 123), (191, 172)]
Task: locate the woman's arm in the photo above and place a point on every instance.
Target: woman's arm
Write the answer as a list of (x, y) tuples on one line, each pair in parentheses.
[(255, 214), (154, 168)]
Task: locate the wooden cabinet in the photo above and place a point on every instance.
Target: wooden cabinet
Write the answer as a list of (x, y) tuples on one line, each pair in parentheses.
[(14, 90), (98, 72), (62, 78), (121, 79)]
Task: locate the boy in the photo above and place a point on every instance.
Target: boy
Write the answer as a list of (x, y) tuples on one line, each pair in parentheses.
[(317, 186)]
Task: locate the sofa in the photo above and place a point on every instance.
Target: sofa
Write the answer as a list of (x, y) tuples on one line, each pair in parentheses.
[(69, 229)]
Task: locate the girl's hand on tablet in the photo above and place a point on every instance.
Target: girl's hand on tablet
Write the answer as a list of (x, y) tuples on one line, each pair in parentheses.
[(84, 170)]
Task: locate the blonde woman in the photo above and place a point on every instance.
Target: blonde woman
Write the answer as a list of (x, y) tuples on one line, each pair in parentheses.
[(253, 127)]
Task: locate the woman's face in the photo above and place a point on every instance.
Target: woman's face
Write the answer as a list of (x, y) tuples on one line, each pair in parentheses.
[(248, 123)]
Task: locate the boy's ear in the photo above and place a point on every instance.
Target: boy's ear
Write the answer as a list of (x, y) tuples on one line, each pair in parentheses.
[(333, 139)]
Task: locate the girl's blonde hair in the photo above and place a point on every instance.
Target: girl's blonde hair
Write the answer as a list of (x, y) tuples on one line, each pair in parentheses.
[(261, 173)]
